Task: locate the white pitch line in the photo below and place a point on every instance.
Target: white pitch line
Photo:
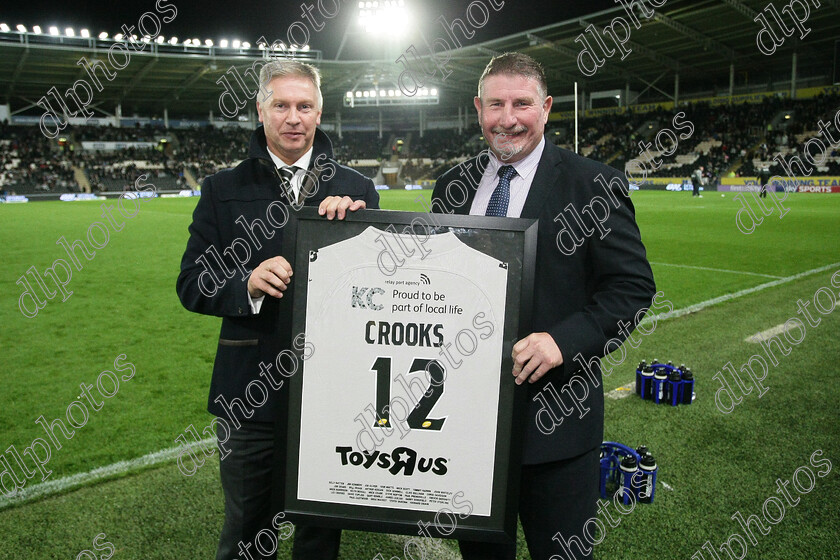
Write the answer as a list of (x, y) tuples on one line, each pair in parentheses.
[(726, 297), (440, 551), (62, 484), (622, 392), (50, 487), (764, 335), (715, 269)]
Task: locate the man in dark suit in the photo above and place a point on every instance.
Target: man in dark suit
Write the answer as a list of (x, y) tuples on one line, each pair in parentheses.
[(763, 179), (591, 273), (232, 268)]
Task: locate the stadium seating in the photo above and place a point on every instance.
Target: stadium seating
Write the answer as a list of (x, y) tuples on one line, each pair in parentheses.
[(739, 139)]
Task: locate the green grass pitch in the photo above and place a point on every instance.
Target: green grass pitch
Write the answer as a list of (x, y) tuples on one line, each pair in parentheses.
[(713, 464)]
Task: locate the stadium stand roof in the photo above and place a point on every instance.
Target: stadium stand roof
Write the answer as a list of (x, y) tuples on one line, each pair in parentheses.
[(701, 41)]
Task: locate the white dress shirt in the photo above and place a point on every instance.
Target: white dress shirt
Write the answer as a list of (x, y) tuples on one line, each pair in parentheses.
[(302, 165), (297, 179), (520, 184)]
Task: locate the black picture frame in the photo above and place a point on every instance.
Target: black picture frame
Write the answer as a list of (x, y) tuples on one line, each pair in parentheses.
[(512, 241)]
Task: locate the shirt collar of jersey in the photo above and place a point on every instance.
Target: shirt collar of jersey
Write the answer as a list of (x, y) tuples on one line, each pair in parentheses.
[(525, 167), (437, 243), (302, 163)]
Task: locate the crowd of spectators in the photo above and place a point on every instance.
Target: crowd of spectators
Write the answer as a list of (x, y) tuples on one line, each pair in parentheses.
[(447, 144), (727, 140), (788, 141), (30, 163), (355, 145)]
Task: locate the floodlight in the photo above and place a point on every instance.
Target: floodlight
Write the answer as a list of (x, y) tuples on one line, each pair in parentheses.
[(4, 28), (223, 43), (208, 42), (85, 33), (379, 17), (53, 30), (173, 41), (21, 28), (381, 93), (246, 45), (36, 29), (69, 32), (390, 93), (434, 91), (118, 37), (358, 94), (159, 40), (236, 43), (305, 48), (103, 35)]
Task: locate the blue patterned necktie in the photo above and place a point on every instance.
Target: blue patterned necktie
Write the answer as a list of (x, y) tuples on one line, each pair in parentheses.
[(498, 204)]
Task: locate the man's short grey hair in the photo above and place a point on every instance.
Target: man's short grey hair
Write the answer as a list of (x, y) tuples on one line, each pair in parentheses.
[(283, 68), (515, 64)]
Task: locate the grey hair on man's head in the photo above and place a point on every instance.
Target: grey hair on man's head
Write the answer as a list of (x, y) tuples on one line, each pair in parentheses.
[(515, 64), (283, 68)]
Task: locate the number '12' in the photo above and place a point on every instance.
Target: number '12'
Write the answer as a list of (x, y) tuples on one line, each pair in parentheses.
[(419, 417)]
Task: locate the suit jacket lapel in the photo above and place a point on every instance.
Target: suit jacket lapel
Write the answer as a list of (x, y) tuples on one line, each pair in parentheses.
[(473, 175), (309, 184), (546, 178)]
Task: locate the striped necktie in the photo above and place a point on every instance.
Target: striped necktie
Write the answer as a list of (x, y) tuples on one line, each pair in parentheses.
[(500, 198), (287, 173)]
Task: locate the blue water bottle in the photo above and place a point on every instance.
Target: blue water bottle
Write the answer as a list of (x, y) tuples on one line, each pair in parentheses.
[(646, 389), (660, 376), (628, 471), (675, 386), (647, 478), (639, 371), (609, 482), (687, 386)]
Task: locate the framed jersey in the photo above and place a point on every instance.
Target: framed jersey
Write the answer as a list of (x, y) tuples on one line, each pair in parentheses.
[(404, 417)]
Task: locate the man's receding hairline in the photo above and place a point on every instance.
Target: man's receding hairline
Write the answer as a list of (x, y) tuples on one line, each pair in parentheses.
[(528, 76)]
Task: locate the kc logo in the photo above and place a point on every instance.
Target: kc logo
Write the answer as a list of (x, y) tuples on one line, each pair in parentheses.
[(358, 293)]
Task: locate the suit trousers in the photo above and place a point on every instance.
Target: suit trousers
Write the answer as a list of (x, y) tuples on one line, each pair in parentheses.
[(555, 502), (247, 477)]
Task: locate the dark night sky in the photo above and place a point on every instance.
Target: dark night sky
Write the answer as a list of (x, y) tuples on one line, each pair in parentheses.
[(248, 21)]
